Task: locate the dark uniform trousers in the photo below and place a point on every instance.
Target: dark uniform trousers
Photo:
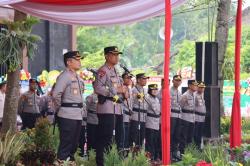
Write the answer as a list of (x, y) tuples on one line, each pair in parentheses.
[(105, 134), (82, 139), (175, 131), (91, 136), (198, 133), (151, 143), (186, 134), (69, 137), (29, 120), (137, 136), (159, 150), (125, 135)]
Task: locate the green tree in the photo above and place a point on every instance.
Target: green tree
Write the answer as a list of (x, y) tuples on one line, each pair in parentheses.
[(12, 42), (185, 56)]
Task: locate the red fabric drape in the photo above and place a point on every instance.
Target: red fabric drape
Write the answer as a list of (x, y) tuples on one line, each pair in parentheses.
[(165, 128), (235, 129), (70, 2)]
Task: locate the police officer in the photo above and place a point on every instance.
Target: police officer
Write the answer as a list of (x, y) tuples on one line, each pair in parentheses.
[(175, 95), (69, 105), (200, 113), (48, 109), (159, 96), (29, 107), (109, 88), (92, 120), (139, 112), (127, 108), (82, 139), (152, 121), (187, 115)]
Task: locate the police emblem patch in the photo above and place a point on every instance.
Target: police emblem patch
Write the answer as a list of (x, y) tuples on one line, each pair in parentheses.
[(101, 73)]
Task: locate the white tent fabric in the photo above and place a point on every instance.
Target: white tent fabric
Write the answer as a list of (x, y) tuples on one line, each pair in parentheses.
[(112, 12)]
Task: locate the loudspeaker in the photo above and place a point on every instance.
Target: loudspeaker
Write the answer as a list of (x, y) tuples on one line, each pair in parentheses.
[(207, 62), (212, 120)]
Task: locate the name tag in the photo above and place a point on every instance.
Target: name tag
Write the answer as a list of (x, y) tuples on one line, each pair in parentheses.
[(75, 91)]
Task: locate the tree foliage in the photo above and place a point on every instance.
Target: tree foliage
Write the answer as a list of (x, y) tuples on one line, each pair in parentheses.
[(140, 43), (14, 39)]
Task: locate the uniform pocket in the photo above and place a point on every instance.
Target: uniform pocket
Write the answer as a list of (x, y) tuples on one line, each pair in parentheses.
[(74, 88), (190, 102)]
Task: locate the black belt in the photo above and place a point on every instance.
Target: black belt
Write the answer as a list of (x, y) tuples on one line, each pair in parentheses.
[(187, 111), (200, 113), (127, 113), (112, 99), (74, 105), (139, 110), (84, 118), (102, 99), (175, 111), (50, 113), (91, 111), (153, 115)]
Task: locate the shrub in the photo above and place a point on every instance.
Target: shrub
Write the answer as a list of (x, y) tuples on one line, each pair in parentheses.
[(10, 148)]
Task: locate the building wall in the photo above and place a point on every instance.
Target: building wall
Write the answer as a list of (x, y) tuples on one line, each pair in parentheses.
[(56, 38)]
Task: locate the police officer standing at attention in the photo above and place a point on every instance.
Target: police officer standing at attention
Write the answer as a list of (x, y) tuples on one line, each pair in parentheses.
[(92, 121), (200, 113), (29, 107), (139, 112), (82, 139), (127, 108), (187, 115), (108, 87), (153, 121), (69, 106), (175, 115)]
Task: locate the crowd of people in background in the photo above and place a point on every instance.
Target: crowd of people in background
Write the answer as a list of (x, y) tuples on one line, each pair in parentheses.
[(119, 110)]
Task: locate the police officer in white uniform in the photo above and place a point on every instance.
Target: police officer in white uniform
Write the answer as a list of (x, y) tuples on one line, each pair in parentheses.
[(69, 106), (200, 114), (109, 88), (29, 106), (139, 112), (92, 121), (187, 115), (127, 108), (152, 121), (175, 115), (82, 139)]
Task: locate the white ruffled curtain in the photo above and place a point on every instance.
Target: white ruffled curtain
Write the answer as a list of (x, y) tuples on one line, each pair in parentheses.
[(108, 13)]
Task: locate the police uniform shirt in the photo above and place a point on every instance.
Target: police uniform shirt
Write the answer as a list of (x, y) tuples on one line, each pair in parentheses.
[(200, 108), (139, 104), (48, 106), (175, 96), (29, 102), (84, 114), (159, 96), (187, 105), (153, 113), (91, 104), (107, 80), (68, 90), (127, 106)]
